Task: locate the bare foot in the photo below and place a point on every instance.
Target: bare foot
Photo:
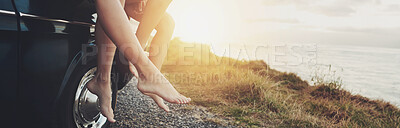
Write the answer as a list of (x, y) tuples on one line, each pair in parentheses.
[(103, 91), (159, 101), (161, 87)]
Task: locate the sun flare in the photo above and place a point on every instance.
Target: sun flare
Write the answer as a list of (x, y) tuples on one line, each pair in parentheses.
[(203, 21)]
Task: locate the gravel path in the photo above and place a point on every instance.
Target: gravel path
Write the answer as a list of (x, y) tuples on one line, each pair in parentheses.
[(137, 110)]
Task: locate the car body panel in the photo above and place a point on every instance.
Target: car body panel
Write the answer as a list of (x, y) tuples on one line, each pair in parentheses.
[(39, 45), (9, 62), (47, 47)]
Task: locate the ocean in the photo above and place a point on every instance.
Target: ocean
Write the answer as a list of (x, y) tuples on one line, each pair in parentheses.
[(373, 72)]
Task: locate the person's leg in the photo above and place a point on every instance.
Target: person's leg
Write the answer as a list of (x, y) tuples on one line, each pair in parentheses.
[(153, 17), (101, 83), (115, 23), (159, 44), (152, 14), (159, 47)]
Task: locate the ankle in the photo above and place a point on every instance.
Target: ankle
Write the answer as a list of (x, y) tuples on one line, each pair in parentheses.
[(103, 79)]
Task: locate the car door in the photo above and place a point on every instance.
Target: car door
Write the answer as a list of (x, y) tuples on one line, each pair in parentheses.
[(8, 62), (49, 40)]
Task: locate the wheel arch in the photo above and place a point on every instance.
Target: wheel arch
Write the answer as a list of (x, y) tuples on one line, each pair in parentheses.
[(121, 74)]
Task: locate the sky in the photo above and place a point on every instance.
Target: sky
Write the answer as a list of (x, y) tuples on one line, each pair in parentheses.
[(344, 22)]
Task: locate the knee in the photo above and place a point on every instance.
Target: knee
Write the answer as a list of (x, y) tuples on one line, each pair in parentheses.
[(167, 24), (130, 10)]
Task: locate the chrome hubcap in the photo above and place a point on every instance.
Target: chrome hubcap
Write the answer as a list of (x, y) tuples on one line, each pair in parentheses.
[(86, 110)]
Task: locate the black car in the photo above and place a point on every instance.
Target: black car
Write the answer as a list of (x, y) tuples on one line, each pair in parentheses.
[(47, 55)]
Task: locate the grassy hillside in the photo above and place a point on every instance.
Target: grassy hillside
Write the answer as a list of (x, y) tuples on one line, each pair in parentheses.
[(255, 95)]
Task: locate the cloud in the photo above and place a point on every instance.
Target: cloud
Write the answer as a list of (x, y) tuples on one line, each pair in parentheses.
[(275, 20), (377, 31), (378, 2), (336, 8), (392, 8), (332, 10)]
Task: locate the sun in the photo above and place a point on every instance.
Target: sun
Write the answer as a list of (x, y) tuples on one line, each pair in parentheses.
[(196, 26), (200, 21)]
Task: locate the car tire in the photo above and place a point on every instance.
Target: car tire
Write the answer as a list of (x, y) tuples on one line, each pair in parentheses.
[(77, 107)]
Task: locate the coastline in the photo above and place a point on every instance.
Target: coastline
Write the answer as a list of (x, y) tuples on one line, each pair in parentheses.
[(256, 95)]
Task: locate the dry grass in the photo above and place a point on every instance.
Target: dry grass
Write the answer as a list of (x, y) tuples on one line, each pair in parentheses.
[(256, 95)]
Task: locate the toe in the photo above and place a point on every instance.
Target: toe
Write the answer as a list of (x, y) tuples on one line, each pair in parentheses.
[(165, 107), (112, 120), (186, 100), (184, 97), (109, 115), (183, 100), (179, 100), (162, 105)]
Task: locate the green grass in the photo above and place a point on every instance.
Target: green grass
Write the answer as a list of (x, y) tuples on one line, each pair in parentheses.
[(257, 96)]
